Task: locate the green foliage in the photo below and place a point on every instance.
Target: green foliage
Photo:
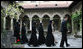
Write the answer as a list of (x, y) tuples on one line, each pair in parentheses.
[(3, 12), (77, 18), (77, 15), (12, 10)]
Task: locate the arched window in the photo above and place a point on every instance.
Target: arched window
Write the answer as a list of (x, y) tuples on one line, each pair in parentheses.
[(45, 21), (57, 22)]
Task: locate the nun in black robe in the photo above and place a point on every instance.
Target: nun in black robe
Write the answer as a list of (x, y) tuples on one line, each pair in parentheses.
[(14, 26), (49, 38), (24, 37), (17, 30), (33, 38), (41, 38)]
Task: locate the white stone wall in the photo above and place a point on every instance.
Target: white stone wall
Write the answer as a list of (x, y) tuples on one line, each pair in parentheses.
[(40, 13)]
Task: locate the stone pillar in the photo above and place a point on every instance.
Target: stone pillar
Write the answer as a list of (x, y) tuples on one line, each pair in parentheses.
[(80, 26), (40, 20), (61, 22), (51, 18), (30, 24), (4, 23), (61, 19), (11, 23), (72, 27)]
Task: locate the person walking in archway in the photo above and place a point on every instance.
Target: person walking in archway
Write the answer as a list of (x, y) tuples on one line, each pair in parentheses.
[(49, 38), (24, 37), (16, 31), (33, 39), (41, 38), (64, 32)]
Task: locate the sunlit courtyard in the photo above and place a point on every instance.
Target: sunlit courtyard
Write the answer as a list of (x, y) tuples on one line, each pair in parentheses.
[(23, 22)]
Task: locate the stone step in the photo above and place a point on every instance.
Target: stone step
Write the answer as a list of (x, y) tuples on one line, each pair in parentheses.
[(18, 46)]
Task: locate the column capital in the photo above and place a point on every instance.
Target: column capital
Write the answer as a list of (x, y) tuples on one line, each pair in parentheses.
[(51, 18), (30, 19), (61, 18), (40, 20)]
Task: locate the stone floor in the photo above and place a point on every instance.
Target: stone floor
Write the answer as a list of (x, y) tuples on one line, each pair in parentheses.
[(74, 42)]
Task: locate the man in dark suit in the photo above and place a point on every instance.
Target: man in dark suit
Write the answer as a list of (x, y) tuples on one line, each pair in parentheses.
[(64, 32)]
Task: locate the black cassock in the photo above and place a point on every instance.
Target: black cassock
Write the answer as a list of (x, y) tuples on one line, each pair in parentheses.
[(17, 30), (49, 38), (64, 33), (41, 38), (14, 25), (24, 37), (33, 38)]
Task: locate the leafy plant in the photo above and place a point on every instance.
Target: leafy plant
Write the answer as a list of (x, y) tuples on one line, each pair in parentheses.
[(12, 10)]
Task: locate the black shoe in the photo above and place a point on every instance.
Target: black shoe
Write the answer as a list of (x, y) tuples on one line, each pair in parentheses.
[(67, 45), (48, 45), (53, 44), (62, 46), (35, 45)]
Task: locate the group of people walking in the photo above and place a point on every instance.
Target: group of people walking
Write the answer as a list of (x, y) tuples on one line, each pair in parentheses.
[(49, 40)]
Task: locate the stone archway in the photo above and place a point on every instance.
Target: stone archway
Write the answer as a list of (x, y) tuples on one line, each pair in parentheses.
[(8, 23), (26, 20), (57, 22), (35, 18), (45, 21)]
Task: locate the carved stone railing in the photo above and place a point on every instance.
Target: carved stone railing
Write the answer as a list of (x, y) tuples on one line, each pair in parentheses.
[(7, 39)]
